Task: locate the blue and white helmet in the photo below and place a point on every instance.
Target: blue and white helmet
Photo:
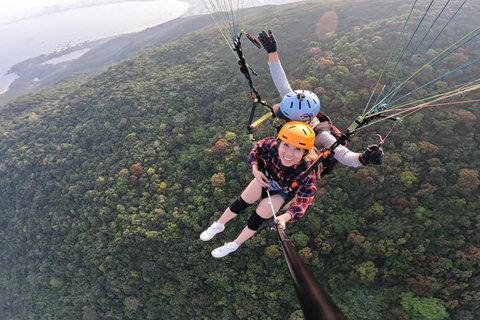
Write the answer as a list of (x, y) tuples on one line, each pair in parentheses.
[(298, 105)]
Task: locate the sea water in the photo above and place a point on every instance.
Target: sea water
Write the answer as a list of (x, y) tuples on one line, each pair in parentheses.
[(44, 34)]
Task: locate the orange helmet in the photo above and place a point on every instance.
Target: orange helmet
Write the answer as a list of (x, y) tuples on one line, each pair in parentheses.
[(297, 133)]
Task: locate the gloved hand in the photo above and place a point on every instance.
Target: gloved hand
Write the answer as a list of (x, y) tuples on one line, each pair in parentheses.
[(268, 41), (373, 155)]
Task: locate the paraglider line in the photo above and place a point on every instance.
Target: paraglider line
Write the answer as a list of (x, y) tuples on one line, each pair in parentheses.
[(396, 77), (445, 26), (388, 60)]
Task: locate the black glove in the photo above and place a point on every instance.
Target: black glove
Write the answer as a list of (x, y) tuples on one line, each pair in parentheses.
[(268, 41), (373, 155)]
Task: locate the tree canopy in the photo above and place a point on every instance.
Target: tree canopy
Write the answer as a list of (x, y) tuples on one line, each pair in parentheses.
[(105, 186)]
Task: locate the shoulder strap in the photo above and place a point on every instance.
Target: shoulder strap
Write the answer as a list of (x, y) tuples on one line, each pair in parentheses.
[(265, 155), (326, 124)]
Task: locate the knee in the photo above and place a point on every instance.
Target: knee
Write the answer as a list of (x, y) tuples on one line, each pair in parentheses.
[(255, 221), (239, 205)]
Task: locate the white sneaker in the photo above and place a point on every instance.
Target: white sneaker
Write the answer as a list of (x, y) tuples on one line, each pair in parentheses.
[(211, 232), (224, 250)]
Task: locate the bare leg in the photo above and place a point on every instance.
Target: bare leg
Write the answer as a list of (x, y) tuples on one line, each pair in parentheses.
[(251, 194), (265, 211), (245, 235), (227, 216)]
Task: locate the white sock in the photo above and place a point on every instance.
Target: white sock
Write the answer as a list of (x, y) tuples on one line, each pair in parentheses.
[(219, 225), (233, 244)]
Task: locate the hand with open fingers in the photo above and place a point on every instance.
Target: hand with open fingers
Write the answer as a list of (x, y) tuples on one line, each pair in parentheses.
[(373, 155), (282, 220), (268, 41), (260, 177)]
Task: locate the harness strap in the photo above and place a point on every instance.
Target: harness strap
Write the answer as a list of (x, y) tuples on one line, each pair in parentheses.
[(266, 156), (246, 70)]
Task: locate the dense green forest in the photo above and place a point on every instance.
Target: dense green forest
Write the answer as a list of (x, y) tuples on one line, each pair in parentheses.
[(105, 186)]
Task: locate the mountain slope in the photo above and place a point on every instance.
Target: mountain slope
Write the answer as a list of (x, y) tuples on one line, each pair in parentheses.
[(106, 186)]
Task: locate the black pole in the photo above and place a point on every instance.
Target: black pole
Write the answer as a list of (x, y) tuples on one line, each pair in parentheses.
[(315, 302)]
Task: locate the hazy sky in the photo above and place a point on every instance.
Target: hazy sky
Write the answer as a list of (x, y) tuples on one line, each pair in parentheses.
[(12, 10), (29, 28)]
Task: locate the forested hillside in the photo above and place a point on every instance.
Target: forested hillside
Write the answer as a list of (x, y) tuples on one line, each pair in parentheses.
[(106, 186)]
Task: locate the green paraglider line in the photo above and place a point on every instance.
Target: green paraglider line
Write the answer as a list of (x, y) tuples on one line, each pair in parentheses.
[(424, 99), (405, 112), (226, 18), (390, 57), (432, 63), (433, 95), (385, 103), (401, 56)]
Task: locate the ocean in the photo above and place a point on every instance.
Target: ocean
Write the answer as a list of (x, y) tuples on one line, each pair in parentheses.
[(58, 25), (47, 33)]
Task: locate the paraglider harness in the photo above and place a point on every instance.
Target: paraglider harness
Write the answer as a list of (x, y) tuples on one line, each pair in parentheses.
[(325, 166), (265, 156), (325, 161), (326, 124)]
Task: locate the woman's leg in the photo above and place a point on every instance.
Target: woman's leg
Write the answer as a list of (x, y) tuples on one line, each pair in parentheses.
[(250, 195), (264, 210)]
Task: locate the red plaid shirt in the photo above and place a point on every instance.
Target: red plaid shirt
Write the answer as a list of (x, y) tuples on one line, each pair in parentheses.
[(306, 190)]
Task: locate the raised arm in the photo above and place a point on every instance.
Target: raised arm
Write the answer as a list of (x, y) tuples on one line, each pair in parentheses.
[(279, 77)]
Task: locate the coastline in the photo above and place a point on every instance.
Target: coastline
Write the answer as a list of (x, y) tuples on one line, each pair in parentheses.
[(21, 40), (24, 73)]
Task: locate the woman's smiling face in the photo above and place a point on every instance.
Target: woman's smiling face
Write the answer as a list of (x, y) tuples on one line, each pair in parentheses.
[(289, 154)]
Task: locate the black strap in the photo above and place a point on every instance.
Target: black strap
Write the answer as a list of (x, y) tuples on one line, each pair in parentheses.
[(266, 156), (328, 153), (246, 70), (314, 300)]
